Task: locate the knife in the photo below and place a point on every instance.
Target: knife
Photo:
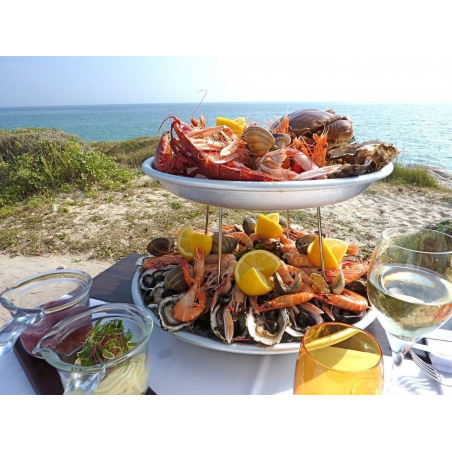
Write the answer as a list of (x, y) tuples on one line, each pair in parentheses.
[(426, 348), (440, 335)]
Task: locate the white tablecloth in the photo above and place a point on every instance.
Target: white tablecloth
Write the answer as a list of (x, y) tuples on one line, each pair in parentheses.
[(181, 368)]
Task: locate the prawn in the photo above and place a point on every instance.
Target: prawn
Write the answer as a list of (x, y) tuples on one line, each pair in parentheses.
[(351, 301), (193, 302), (162, 261), (286, 301), (298, 260)]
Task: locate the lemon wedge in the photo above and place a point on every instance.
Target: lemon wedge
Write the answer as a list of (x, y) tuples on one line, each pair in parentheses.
[(240, 121), (184, 242), (328, 257), (267, 228), (201, 240), (337, 247), (274, 217), (235, 127), (254, 283)]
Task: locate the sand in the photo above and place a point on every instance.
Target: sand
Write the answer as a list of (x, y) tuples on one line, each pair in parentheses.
[(359, 220)]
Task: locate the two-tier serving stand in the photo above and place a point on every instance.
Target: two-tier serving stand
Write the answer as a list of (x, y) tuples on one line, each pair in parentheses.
[(261, 196)]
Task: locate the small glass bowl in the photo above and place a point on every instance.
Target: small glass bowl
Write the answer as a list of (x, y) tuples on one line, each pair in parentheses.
[(39, 302)]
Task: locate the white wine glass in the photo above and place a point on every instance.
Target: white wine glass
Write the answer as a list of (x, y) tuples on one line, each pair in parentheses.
[(410, 288)]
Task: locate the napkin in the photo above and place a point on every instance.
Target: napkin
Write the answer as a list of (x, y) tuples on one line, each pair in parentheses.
[(442, 363)]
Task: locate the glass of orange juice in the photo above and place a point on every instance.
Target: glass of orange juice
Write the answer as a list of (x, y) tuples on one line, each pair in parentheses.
[(338, 359)]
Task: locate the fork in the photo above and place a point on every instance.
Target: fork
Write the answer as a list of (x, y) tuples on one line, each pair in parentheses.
[(430, 371)]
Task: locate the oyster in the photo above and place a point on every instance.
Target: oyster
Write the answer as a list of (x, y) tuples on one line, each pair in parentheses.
[(165, 313), (150, 278), (268, 327), (217, 324), (361, 158)]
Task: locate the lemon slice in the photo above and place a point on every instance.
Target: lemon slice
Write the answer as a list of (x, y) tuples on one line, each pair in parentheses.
[(240, 121), (184, 242), (328, 256), (267, 228), (337, 247), (274, 217), (254, 283), (201, 240)]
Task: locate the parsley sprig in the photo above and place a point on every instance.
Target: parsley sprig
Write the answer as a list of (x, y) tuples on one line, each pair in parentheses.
[(104, 342)]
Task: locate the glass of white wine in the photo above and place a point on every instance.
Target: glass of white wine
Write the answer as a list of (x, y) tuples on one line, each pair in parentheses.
[(410, 288)]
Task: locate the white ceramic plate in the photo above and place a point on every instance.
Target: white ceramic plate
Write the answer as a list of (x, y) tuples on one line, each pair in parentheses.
[(216, 344), (291, 195)]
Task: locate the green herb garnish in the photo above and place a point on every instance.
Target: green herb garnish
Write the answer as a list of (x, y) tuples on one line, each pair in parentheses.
[(104, 342)]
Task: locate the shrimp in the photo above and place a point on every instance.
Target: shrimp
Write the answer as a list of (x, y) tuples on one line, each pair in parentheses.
[(242, 238), (193, 302), (162, 261), (351, 270), (286, 301), (353, 249), (298, 260), (351, 301), (237, 303), (285, 274), (288, 245), (211, 263)]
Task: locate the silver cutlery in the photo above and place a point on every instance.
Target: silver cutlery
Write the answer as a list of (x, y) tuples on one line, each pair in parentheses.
[(428, 349), (430, 371)]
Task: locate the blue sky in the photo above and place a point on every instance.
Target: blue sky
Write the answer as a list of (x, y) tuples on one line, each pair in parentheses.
[(40, 81)]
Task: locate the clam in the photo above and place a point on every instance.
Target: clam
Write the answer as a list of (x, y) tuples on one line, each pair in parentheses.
[(228, 243), (259, 140), (319, 284), (249, 226), (268, 327), (161, 246), (283, 289), (175, 279), (281, 139), (303, 242), (338, 284)]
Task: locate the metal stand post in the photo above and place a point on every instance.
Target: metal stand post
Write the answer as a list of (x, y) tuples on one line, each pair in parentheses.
[(220, 243), (288, 224), (319, 226), (207, 219)]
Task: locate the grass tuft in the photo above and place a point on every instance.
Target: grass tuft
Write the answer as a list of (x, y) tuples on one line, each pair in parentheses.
[(413, 176)]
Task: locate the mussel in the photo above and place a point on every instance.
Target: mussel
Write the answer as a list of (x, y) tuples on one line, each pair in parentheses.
[(303, 242), (259, 140), (249, 225), (228, 243), (161, 246)]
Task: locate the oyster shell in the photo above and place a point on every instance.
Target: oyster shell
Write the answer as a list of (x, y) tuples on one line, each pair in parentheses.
[(217, 323), (268, 327), (165, 313), (259, 140), (361, 157), (150, 278)]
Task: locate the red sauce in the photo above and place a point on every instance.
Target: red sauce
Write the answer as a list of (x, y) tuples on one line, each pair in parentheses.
[(31, 336)]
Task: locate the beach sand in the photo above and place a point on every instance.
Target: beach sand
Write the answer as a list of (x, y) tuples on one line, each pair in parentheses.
[(359, 220)]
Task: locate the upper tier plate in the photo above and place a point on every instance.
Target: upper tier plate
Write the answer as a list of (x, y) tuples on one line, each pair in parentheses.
[(291, 195)]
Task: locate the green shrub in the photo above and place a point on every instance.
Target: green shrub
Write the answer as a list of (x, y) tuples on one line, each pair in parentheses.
[(131, 153), (412, 175), (39, 161)]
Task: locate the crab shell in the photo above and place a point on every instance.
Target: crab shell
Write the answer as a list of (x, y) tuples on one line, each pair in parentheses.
[(310, 121)]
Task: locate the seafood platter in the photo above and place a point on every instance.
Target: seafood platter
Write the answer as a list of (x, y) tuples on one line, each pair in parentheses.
[(302, 160), (259, 293)]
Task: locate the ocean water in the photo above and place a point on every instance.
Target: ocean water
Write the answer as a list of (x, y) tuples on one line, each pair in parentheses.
[(423, 132)]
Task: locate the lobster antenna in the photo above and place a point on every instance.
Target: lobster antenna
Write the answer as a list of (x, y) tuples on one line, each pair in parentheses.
[(193, 115)]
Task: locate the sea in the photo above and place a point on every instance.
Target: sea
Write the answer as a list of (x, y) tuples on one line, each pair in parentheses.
[(422, 132)]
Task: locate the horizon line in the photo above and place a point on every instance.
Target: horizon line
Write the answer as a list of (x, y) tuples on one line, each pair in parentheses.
[(373, 102)]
